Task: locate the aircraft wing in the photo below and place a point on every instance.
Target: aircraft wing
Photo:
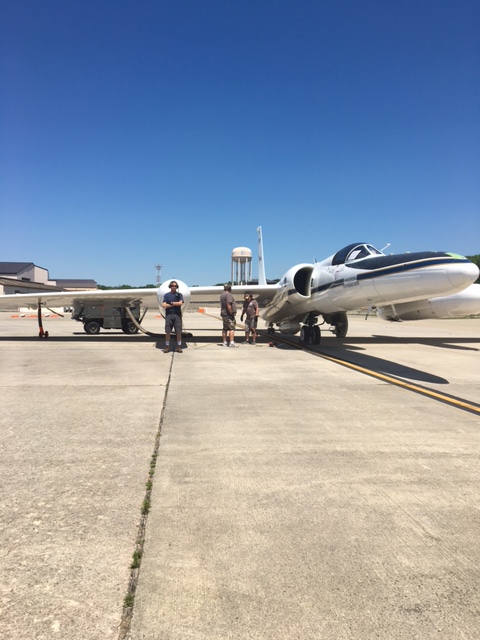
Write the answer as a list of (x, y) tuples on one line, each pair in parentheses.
[(115, 297), (148, 298)]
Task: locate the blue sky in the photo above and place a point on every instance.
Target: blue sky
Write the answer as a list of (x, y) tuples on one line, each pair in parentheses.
[(165, 131)]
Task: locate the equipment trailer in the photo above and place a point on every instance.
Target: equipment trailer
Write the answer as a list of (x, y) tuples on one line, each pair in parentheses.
[(99, 316)]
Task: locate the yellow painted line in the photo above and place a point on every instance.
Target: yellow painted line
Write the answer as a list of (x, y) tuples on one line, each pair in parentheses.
[(461, 404), (456, 402)]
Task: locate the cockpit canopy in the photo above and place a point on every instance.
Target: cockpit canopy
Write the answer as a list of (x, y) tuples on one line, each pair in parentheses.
[(354, 252)]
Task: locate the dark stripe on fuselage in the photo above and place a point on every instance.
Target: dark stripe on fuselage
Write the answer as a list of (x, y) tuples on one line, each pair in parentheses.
[(379, 266), (380, 262)]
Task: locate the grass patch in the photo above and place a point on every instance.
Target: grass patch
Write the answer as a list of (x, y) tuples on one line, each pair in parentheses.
[(145, 506), (128, 602), (137, 555)]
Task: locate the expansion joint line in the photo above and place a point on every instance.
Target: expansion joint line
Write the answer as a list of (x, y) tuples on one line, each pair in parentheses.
[(127, 613)]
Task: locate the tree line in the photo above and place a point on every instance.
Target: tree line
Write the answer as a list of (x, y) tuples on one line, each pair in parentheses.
[(476, 260)]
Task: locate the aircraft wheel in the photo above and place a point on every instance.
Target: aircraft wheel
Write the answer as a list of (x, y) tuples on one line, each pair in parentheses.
[(92, 327), (305, 335), (316, 334), (271, 331), (341, 327)]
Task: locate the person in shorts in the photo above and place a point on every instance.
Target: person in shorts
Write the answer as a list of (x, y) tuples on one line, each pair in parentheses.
[(228, 309), (250, 311), (172, 303)]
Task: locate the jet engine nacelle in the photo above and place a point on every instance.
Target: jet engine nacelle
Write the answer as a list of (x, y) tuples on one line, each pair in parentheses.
[(294, 292), (459, 305), (165, 288)]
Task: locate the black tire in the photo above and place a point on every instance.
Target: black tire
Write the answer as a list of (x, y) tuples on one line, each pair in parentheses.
[(316, 334), (341, 327), (92, 327), (129, 328), (305, 334)]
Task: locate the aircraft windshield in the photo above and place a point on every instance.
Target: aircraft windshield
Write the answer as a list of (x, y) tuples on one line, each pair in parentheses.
[(362, 251), (353, 252)]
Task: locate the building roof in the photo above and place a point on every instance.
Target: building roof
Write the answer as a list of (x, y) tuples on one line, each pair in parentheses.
[(75, 282), (11, 269), (20, 284), (14, 267)]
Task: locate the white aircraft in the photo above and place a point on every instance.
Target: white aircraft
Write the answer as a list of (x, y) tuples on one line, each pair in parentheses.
[(398, 286)]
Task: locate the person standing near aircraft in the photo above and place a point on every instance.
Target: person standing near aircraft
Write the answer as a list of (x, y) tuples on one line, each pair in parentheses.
[(228, 309), (250, 311), (172, 303)]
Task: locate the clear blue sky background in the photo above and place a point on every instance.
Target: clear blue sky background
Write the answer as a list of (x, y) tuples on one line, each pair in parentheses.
[(165, 131)]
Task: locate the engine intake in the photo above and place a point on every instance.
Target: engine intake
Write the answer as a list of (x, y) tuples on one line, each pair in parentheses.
[(294, 290)]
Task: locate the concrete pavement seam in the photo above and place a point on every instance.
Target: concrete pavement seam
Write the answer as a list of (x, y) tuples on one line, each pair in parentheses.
[(127, 613)]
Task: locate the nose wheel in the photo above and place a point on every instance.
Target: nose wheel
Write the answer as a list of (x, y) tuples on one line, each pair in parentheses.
[(41, 332)]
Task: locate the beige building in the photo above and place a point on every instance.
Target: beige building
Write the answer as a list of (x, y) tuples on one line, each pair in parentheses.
[(26, 277)]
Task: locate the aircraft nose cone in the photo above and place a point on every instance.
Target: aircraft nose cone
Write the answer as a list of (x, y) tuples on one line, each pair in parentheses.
[(463, 273)]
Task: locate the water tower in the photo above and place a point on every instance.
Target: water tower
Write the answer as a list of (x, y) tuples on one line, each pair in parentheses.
[(241, 265)]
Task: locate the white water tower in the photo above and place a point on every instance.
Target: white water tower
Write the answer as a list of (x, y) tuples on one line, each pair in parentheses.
[(241, 265)]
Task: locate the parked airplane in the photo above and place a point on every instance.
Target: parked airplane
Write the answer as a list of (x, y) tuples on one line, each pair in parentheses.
[(399, 286)]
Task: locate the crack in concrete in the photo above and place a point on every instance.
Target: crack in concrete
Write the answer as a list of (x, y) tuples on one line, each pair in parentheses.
[(127, 613)]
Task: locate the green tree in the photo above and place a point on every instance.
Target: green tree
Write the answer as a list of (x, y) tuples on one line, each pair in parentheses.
[(476, 260)]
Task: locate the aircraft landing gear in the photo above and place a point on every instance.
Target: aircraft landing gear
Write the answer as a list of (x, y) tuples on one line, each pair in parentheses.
[(338, 322), (41, 332), (271, 332), (310, 332)]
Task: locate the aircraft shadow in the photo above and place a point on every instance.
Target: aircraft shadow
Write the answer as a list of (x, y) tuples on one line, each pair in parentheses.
[(82, 337), (348, 349), (442, 343), (343, 351), (351, 350), (387, 367)]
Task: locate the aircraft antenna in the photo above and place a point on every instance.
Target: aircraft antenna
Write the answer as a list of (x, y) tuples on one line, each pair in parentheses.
[(158, 267), (385, 247)]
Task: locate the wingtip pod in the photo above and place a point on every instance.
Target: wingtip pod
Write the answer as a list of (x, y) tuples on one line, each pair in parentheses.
[(460, 305), (182, 288)]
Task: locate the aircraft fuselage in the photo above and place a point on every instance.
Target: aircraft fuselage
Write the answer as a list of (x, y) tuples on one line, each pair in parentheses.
[(338, 285)]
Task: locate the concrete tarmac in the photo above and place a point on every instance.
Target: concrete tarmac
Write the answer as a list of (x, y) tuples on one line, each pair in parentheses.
[(291, 498)]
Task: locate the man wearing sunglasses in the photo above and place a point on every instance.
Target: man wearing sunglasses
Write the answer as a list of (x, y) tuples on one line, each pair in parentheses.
[(172, 303)]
